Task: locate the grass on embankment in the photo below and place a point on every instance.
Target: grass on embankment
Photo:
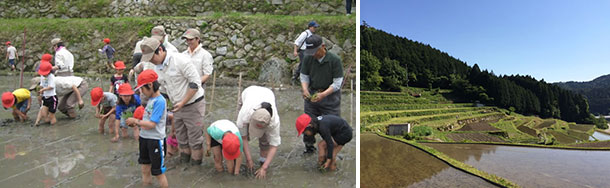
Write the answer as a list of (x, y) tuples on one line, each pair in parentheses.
[(496, 180)]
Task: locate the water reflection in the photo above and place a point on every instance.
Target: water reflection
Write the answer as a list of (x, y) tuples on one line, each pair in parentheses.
[(388, 163), (599, 136), (534, 167)]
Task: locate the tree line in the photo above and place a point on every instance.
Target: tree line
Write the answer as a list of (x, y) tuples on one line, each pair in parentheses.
[(389, 62)]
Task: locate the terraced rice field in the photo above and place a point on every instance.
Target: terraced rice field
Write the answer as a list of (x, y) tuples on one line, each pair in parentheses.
[(480, 126), (460, 121), (477, 137)]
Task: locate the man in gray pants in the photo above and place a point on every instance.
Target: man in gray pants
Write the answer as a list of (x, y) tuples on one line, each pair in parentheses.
[(321, 78)]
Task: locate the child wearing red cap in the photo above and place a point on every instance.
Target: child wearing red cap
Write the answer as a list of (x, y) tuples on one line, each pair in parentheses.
[(152, 129), (105, 105), (118, 78), (334, 131), (109, 51), (128, 102), (11, 54), (224, 135), (20, 101), (49, 97)]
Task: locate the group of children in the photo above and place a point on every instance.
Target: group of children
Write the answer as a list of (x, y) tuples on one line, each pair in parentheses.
[(145, 110)]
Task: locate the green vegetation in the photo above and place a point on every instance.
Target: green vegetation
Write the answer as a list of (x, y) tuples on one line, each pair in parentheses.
[(461, 122), (596, 91), (418, 132), (410, 63)]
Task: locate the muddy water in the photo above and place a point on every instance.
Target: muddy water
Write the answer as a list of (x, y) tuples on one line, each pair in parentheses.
[(599, 136), (535, 167), (73, 154), (389, 163)]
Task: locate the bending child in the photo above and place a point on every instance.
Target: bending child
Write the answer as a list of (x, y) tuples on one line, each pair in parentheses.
[(105, 104)]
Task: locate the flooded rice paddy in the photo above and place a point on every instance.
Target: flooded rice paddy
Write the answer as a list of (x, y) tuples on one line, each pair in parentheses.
[(391, 163), (534, 167), (73, 154), (599, 136)]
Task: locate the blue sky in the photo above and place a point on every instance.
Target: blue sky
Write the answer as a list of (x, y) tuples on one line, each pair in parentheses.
[(554, 40)]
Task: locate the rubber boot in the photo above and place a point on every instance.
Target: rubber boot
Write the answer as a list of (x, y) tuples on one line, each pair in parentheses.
[(184, 158)]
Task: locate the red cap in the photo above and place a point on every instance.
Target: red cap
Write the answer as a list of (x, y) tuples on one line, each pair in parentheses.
[(46, 58), (147, 76), (139, 113), (119, 65), (96, 96), (45, 68), (8, 42), (230, 146), (8, 99), (125, 89), (106, 40), (302, 122)]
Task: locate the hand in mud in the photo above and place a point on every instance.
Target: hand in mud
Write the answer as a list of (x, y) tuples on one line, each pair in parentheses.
[(250, 164), (261, 173), (326, 164)]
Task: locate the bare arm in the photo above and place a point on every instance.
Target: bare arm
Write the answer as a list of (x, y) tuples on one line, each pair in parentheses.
[(249, 162), (77, 93), (205, 78), (144, 124)]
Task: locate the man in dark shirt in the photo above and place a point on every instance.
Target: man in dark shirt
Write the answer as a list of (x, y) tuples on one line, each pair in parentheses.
[(321, 78)]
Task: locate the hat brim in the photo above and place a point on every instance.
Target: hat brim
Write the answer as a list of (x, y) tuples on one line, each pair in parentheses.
[(147, 57), (33, 86), (9, 105), (311, 51), (96, 102), (128, 93), (254, 131), (230, 156), (119, 68), (187, 37)]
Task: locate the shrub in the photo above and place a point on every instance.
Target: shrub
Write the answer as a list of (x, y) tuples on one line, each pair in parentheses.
[(417, 132)]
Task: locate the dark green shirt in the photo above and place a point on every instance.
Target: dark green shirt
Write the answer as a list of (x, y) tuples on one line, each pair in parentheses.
[(321, 74)]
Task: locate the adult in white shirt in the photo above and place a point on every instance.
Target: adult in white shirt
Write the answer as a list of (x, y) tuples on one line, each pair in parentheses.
[(64, 60), (11, 55), (70, 89), (300, 45), (182, 84), (201, 58), (258, 118)]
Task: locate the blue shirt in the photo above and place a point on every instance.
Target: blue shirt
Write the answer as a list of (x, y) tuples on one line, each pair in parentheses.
[(155, 111), (122, 108)]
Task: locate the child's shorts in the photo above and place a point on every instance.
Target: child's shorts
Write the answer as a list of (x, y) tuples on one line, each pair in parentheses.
[(23, 105), (50, 102), (11, 62), (152, 152)]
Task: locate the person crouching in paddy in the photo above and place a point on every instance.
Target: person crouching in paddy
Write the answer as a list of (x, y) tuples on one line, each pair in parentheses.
[(224, 135), (128, 102), (105, 103), (334, 131), (152, 133), (20, 101), (49, 97)]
